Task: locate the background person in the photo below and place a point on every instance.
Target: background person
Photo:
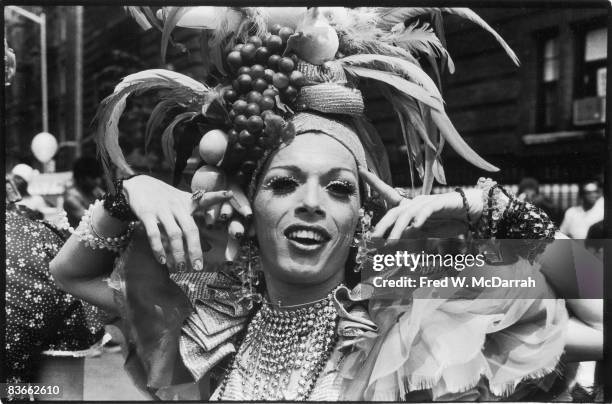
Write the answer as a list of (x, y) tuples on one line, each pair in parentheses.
[(22, 175), (578, 219), (87, 186), (529, 191)]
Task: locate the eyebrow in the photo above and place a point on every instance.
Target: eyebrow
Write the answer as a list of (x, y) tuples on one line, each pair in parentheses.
[(290, 167)]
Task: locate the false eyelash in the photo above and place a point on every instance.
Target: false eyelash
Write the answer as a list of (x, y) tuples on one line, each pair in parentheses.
[(278, 179), (349, 186)]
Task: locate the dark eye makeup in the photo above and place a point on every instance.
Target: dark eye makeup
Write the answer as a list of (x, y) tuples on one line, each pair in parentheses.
[(284, 184), (342, 188)]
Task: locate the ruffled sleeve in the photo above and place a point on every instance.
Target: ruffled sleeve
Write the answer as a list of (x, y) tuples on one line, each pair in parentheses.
[(178, 326), (463, 348)]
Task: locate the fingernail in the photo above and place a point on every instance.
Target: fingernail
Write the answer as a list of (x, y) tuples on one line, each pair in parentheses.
[(180, 266), (162, 259), (238, 236), (223, 217), (197, 265), (227, 194)]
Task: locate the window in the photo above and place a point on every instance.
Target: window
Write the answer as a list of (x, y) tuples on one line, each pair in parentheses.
[(590, 84), (548, 99), (594, 63)]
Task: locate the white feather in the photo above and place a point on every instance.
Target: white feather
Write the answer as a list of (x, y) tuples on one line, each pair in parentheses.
[(404, 86)]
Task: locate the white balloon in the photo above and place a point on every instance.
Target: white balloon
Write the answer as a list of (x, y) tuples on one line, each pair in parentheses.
[(44, 145)]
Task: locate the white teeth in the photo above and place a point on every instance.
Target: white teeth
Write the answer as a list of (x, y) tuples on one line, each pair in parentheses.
[(306, 234)]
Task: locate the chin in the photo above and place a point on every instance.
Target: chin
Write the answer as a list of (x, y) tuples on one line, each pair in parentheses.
[(302, 272)]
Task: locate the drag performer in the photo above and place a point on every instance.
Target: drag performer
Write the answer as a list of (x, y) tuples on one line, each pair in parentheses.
[(245, 288)]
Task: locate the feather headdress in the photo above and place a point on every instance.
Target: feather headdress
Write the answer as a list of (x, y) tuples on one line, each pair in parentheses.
[(376, 45)]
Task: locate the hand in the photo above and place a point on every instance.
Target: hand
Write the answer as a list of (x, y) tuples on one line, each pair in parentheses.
[(154, 202), (440, 215)]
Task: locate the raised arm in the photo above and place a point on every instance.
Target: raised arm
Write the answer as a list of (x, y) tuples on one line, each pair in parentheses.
[(81, 270)]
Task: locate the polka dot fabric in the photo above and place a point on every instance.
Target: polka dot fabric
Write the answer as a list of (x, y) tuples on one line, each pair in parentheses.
[(39, 316)]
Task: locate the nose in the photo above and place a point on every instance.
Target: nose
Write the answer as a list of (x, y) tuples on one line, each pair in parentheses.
[(311, 202)]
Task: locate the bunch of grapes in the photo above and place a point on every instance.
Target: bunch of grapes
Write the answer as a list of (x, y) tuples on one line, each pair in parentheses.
[(264, 79)]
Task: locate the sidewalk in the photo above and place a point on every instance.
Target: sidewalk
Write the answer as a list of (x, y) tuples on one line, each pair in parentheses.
[(105, 379)]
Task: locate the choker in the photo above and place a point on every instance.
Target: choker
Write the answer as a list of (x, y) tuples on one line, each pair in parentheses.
[(280, 342)]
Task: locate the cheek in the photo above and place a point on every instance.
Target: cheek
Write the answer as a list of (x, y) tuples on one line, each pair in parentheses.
[(347, 219), (267, 212)]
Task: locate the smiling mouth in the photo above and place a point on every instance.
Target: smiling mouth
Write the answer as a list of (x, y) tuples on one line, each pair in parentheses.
[(307, 237)]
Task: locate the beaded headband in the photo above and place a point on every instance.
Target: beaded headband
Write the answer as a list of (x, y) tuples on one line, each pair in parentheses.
[(272, 64), (306, 122)]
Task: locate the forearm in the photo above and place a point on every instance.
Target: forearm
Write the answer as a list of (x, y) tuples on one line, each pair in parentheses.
[(583, 343), (81, 270), (589, 311)]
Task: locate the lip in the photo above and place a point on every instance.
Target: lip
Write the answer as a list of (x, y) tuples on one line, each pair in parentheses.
[(319, 236)]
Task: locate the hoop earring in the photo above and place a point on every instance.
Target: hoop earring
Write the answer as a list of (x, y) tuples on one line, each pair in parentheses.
[(362, 239)]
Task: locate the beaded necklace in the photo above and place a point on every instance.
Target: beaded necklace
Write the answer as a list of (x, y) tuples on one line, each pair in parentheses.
[(279, 342)]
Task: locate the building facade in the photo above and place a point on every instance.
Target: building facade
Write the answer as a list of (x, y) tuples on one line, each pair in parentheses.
[(545, 118)]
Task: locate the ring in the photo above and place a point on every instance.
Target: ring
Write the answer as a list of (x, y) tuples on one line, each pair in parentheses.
[(402, 193), (197, 195)]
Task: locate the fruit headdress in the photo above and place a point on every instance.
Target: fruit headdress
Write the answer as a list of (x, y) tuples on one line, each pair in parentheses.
[(267, 65)]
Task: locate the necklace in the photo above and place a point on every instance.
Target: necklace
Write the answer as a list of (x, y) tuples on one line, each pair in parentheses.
[(282, 342)]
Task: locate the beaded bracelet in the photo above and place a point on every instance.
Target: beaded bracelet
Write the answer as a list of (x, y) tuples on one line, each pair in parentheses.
[(493, 208), (116, 204), (87, 233), (467, 209)]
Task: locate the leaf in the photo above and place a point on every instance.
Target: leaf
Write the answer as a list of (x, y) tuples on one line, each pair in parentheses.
[(139, 16), (408, 131), (397, 66), (402, 85), (430, 158), (438, 171), (434, 66), (457, 143), (150, 14), (172, 17), (413, 115)]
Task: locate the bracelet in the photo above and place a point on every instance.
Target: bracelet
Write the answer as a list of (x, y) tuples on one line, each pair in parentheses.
[(467, 209), (87, 233), (522, 220), (494, 208), (117, 205)]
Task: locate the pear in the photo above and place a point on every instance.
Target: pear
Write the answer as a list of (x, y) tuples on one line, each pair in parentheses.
[(315, 41)]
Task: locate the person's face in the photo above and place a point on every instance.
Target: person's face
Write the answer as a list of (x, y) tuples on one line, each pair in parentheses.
[(306, 210), (591, 194)]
